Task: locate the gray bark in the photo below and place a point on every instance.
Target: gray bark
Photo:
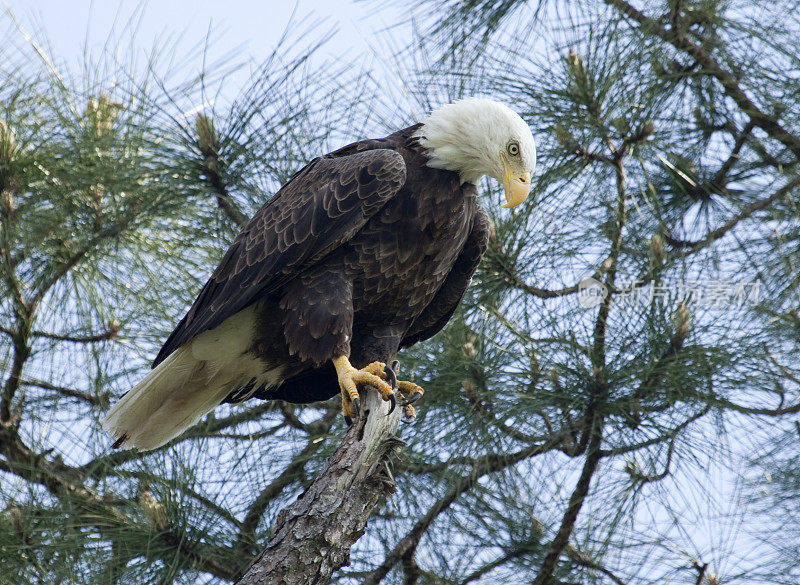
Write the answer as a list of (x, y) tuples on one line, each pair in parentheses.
[(313, 536)]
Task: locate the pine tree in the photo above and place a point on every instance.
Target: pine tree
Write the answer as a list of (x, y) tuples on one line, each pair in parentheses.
[(615, 400)]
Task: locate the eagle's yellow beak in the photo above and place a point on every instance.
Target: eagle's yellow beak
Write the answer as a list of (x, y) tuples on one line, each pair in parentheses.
[(517, 185)]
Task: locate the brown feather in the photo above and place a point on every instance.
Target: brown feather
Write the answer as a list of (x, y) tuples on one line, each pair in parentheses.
[(364, 251)]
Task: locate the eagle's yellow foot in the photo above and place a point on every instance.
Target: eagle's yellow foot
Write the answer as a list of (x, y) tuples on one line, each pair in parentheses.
[(411, 392), (349, 379)]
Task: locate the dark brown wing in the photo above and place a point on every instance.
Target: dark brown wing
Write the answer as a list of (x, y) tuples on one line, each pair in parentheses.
[(441, 308), (321, 207)]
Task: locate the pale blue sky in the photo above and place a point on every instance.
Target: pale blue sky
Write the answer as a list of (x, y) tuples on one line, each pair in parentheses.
[(251, 25), (239, 28)]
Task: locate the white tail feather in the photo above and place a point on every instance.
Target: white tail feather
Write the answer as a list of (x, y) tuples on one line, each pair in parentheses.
[(189, 384), (173, 397)]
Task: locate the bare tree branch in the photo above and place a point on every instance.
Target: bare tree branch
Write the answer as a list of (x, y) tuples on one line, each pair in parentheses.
[(314, 535), (748, 211), (95, 400)]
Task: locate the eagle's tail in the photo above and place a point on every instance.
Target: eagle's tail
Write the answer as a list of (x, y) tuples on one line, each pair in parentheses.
[(189, 383), (173, 397)]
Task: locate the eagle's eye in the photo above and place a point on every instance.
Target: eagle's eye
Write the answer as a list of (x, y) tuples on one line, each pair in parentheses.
[(513, 148)]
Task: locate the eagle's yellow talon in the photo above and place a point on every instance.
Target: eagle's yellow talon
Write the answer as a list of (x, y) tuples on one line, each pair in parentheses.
[(413, 392), (350, 409), (376, 369), (374, 375), (350, 378)]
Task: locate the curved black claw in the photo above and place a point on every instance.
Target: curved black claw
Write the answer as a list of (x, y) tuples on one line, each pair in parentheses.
[(414, 397), (395, 366), (408, 420), (357, 405), (391, 374), (348, 421), (392, 404)]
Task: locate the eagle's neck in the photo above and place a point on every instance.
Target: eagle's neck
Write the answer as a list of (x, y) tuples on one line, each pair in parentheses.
[(448, 148)]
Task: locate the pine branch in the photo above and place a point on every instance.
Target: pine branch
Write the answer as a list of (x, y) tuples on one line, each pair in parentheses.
[(638, 475), (710, 66), (152, 478), (212, 168), (592, 437), (8, 263), (64, 482), (92, 399), (105, 465), (580, 558), (411, 570), (578, 496), (317, 427), (661, 363), (60, 270), (669, 435), (484, 466), (514, 279), (719, 180), (701, 571), (780, 411), (197, 554), (22, 352), (107, 335), (246, 537), (722, 230), (514, 553)]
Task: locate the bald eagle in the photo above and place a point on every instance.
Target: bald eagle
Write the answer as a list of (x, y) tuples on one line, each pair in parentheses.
[(365, 251)]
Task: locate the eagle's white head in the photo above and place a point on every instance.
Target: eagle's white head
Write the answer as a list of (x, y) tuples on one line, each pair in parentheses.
[(477, 137)]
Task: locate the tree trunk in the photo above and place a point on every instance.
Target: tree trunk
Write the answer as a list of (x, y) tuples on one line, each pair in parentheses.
[(313, 536)]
